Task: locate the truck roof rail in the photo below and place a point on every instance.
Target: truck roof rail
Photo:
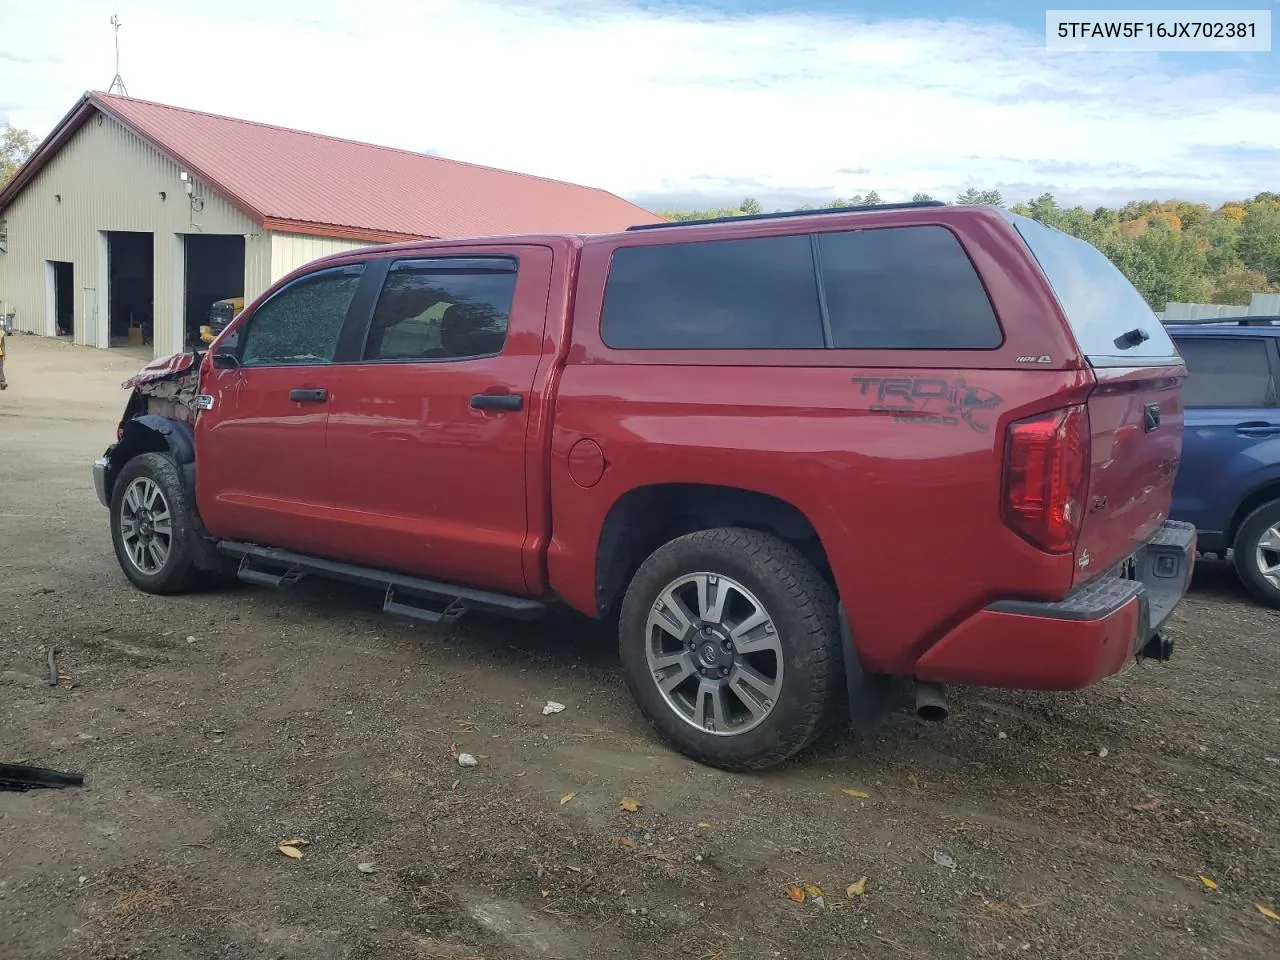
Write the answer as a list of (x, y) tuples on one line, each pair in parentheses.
[(1246, 321), (789, 213)]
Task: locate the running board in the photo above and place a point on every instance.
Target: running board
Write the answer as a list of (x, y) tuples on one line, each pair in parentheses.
[(404, 596)]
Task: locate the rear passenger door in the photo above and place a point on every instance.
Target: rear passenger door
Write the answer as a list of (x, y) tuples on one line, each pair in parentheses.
[(1232, 410), (427, 430)]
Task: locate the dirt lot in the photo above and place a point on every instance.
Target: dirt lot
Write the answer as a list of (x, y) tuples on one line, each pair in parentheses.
[(214, 726)]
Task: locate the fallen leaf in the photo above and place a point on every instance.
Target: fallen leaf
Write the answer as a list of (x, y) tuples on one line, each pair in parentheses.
[(704, 825), (859, 794), (296, 842), (629, 804), (628, 843), (289, 850), (1148, 804), (812, 890), (566, 798), (454, 785), (1212, 885), (453, 750), (546, 893), (796, 894), (1267, 912), (521, 773), (857, 888), (366, 867)]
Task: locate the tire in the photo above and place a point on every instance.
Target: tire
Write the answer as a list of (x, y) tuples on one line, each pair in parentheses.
[(1257, 553), (795, 650), (158, 557)]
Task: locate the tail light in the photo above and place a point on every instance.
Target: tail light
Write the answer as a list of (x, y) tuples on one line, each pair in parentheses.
[(1046, 478)]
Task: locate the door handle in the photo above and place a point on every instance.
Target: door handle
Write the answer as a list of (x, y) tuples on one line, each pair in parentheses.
[(309, 395), (497, 401), (1258, 428)]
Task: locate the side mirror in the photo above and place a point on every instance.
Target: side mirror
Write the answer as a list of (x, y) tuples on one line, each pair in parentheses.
[(225, 361)]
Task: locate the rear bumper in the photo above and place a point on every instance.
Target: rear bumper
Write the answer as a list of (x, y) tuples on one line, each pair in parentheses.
[(1096, 632)]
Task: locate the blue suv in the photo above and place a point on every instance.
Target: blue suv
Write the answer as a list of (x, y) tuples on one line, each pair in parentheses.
[(1229, 482)]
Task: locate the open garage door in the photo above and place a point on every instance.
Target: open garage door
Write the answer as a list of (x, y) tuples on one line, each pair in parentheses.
[(131, 268), (214, 272)]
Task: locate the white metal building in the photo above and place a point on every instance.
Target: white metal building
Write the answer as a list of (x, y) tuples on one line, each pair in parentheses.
[(132, 218)]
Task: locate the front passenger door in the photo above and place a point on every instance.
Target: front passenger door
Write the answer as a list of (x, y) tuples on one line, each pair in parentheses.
[(262, 473)]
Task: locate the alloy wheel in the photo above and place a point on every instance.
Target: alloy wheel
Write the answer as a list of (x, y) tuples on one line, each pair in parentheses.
[(146, 526), (714, 653)]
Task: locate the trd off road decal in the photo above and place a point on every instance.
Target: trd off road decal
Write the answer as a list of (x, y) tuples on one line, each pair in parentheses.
[(941, 400)]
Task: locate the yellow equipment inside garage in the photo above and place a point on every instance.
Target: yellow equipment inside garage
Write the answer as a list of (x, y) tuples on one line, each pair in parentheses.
[(220, 314)]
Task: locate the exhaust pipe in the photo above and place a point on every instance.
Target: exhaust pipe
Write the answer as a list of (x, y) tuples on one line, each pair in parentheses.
[(931, 702)]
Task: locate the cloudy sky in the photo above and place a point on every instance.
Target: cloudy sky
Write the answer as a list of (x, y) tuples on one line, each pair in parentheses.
[(698, 102)]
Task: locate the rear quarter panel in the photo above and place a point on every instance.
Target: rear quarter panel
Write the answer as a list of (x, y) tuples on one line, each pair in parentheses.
[(895, 457)]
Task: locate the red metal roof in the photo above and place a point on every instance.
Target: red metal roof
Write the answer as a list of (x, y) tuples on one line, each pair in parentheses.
[(302, 182)]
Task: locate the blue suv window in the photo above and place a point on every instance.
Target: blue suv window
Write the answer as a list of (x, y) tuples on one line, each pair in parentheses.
[(1227, 372)]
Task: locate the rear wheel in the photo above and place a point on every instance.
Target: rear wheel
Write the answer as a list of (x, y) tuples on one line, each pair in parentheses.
[(730, 643), (1257, 553), (151, 525)]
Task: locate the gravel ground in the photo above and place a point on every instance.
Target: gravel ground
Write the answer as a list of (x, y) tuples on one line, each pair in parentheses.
[(1134, 820)]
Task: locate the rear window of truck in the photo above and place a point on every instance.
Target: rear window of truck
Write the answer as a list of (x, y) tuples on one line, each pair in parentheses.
[(885, 288), (1101, 305)]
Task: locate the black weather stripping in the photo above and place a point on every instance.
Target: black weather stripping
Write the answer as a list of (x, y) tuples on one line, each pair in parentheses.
[(14, 776), (1245, 321), (825, 211)]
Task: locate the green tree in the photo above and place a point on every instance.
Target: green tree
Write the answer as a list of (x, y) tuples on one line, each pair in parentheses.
[(987, 197), (872, 199), (15, 146), (1045, 209), (1237, 285), (920, 198), (1259, 243), (1220, 236), (750, 207), (1163, 264)]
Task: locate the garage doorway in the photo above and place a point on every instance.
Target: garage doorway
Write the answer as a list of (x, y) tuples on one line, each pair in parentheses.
[(214, 270), (60, 283), (131, 264)]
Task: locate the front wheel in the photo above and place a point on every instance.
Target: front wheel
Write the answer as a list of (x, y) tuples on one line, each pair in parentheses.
[(151, 525), (1257, 553), (730, 644)]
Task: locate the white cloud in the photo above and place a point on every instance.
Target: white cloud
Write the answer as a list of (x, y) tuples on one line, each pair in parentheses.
[(671, 105)]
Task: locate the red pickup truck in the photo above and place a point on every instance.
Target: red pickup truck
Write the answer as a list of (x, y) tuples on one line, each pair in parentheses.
[(790, 456)]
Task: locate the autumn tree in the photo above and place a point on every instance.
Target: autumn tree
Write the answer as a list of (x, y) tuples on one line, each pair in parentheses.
[(15, 146)]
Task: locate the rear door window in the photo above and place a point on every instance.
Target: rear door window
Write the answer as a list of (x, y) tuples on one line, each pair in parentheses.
[(1227, 372), (904, 288), (443, 309), (1100, 303), (758, 293)]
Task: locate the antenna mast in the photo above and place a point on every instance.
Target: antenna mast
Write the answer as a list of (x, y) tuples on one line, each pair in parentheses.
[(117, 82)]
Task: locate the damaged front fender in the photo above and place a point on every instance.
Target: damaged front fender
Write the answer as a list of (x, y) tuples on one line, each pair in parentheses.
[(166, 387)]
